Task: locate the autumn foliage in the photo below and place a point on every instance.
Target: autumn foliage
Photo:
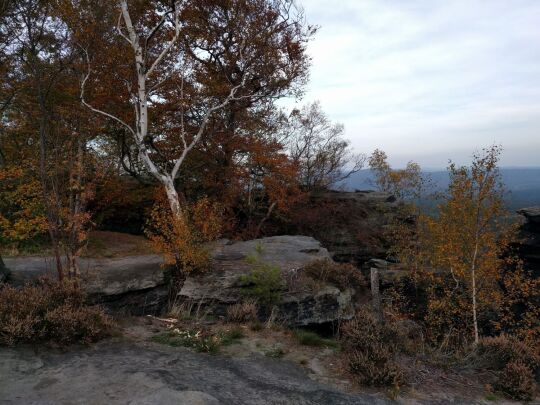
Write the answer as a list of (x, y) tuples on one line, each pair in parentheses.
[(181, 240), (461, 262)]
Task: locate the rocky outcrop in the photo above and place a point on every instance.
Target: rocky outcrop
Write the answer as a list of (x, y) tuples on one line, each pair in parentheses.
[(138, 285), (351, 225), (224, 285), (131, 285), (529, 246)]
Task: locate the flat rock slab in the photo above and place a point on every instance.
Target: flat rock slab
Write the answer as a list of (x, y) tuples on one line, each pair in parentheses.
[(132, 284), (125, 372), (107, 276)]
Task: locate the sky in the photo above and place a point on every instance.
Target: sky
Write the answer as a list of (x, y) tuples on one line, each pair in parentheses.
[(430, 80)]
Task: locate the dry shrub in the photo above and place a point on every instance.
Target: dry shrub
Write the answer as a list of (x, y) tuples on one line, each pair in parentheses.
[(495, 353), (189, 310), (517, 381), (342, 275), (49, 312), (371, 350), (181, 240), (517, 365), (241, 312), (375, 367)]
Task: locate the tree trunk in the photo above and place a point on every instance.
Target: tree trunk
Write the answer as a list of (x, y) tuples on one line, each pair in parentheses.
[(473, 285), (52, 218), (77, 206), (174, 200), (475, 320), (2, 265), (376, 296)]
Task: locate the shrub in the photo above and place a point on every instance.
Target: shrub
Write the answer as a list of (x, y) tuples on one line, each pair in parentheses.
[(517, 381), (371, 350), (49, 312), (365, 330), (375, 366), (181, 240), (242, 312), (516, 364), (263, 284), (342, 275), (495, 353)]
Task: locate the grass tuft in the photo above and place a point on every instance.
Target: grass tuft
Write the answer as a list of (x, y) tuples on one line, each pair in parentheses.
[(309, 338)]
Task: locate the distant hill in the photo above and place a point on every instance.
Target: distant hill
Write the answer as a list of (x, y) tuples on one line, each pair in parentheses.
[(523, 184)]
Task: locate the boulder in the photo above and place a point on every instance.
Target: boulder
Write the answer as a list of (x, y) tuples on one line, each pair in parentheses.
[(529, 245), (532, 214), (223, 285), (132, 285), (351, 225)]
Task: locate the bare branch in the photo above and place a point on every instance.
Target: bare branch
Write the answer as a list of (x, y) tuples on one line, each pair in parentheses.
[(169, 45), (119, 29), (154, 30), (96, 110), (204, 123)]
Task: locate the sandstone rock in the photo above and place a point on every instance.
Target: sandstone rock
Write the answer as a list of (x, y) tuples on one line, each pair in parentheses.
[(532, 214), (127, 371), (222, 286), (132, 285), (529, 245), (377, 264), (138, 284), (324, 305), (350, 225)]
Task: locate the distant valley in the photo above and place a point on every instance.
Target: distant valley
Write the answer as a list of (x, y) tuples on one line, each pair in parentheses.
[(523, 184)]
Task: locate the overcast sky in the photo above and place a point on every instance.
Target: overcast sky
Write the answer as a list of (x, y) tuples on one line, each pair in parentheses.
[(430, 80)]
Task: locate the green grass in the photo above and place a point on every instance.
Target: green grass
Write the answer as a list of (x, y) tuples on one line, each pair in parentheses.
[(190, 339), (232, 336), (275, 352), (308, 338), (199, 342)]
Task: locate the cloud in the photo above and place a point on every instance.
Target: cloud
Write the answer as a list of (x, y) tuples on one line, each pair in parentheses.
[(430, 79)]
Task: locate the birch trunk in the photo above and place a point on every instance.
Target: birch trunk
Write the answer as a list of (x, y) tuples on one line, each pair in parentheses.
[(473, 285)]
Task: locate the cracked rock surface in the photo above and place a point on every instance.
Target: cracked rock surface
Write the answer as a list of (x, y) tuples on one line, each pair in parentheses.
[(125, 372)]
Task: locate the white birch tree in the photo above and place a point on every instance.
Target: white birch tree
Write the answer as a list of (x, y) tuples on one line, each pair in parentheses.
[(165, 52), (142, 94)]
